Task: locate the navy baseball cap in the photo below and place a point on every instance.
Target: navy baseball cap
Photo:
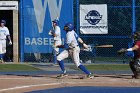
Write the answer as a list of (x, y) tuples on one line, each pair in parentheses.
[(3, 21), (56, 21)]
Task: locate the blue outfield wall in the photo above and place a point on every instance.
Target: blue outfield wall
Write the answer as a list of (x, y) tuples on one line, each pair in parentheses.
[(36, 18)]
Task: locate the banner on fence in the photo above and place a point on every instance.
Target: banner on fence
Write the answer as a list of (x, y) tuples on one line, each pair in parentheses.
[(37, 19), (93, 19)]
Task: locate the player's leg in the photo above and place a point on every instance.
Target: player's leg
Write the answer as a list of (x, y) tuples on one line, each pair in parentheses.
[(0, 50), (76, 59), (3, 49), (135, 67), (60, 59), (55, 53), (131, 64)]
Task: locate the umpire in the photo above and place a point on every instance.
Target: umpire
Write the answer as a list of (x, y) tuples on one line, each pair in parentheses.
[(135, 63)]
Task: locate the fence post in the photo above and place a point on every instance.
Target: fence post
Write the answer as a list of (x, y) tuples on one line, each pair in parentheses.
[(133, 16), (21, 33), (15, 37), (78, 15)]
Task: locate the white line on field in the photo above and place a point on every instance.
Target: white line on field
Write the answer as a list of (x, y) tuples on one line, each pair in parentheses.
[(39, 85), (18, 78), (13, 78), (21, 87)]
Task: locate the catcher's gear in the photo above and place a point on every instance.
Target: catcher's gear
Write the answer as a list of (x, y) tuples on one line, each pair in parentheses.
[(136, 36), (135, 67), (122, 51), (69, 27), (3, 21)]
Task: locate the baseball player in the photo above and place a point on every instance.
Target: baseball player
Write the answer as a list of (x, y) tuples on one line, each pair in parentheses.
[(135, 63), (56, 33), (4, 33), (71, 48)]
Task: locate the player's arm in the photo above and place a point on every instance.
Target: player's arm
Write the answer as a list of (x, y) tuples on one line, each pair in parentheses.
[(124, 50), (66, 44), (82, 42), (55, 33), (59, 46), (133, 48), (52, 33), (8, 36)]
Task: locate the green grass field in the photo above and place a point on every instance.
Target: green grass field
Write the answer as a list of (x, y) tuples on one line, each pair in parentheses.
[(17, 67), (106, 67), (112, 59), (27, 67)]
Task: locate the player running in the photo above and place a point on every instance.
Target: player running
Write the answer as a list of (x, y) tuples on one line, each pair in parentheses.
[(4, 33), (135, 63), (56, 33), (71, 48)]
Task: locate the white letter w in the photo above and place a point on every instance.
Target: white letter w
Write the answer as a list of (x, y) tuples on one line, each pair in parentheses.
[(40, 11)]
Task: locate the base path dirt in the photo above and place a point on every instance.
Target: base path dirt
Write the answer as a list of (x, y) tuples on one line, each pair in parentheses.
[(20, 84)]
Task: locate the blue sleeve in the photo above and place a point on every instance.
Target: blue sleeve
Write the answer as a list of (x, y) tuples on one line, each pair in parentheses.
[(66, 46), (76, 36)]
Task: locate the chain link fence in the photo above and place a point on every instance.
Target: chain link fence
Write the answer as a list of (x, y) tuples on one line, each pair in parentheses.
[(120, 28)]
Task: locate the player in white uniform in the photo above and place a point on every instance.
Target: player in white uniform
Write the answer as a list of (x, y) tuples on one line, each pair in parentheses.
[(56, 33), (4, 33), (72, 48)]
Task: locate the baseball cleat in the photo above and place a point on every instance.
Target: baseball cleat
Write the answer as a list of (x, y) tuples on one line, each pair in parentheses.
[(1, 61), (62, 75), (55, 65), (90, 76), (136, 76)]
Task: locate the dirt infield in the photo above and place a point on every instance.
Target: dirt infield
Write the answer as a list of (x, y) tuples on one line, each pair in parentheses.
[(20, 84)]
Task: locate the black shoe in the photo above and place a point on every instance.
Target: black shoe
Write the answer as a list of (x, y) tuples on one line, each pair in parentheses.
[(90, 76), (62, 75), (1, 61), (136, 76), (55, 64)]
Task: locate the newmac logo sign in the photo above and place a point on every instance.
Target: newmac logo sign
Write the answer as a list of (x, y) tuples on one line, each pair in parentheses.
[(40, 11), (37, 19), (93, 19)]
